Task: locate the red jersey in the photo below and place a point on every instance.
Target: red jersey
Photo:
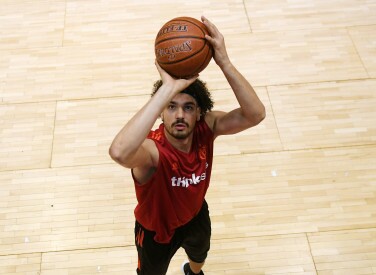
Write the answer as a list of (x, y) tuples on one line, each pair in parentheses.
[(176, 191)]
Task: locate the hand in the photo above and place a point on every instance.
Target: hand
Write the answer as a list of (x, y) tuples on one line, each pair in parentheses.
[(177, 85), (217, 41)]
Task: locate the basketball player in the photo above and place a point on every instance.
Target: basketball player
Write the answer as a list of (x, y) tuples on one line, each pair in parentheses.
[(171, 165)]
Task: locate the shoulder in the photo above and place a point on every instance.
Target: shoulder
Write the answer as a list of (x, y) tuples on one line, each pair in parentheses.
[(211, 119), (157, 134), (144, 172)]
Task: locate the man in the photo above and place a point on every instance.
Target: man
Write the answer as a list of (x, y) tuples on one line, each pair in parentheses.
[(171, 165)]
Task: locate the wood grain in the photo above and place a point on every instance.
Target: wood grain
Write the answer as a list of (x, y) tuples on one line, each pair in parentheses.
[(294, 195)]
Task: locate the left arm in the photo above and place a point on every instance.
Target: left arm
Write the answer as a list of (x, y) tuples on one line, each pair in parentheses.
[(251, 111)]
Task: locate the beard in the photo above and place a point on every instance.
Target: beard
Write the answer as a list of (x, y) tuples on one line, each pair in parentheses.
[(179, 134)]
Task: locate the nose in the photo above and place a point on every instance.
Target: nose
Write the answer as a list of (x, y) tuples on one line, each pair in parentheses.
[(179, 112)]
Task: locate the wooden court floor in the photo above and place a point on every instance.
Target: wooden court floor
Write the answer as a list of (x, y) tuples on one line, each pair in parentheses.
[(294, 195)]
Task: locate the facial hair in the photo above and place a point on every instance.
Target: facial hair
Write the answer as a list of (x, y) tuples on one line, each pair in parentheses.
[(179, 134)]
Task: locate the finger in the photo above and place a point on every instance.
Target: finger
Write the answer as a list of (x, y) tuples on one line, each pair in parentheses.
[(192, 79), (211, 27), (162, 73), (156, 63), (207, 23), (206, 20), (210, 39), (158, 67)]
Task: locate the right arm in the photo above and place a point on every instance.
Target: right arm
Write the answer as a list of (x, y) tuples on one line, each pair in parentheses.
[(130, 147)]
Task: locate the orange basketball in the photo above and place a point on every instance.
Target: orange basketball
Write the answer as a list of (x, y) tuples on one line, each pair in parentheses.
[(181, 48)]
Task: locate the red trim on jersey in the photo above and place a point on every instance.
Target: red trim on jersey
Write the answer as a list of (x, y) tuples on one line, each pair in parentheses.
[(176, 191)]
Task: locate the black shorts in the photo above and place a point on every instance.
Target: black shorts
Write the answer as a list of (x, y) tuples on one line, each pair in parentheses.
[(154, 258)]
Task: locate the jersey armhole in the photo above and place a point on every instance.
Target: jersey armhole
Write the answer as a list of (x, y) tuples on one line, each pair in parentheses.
[(136, 182), (207, 125), (210, 129)]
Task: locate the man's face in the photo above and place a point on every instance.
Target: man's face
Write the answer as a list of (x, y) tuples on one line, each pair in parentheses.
[(180, 116)]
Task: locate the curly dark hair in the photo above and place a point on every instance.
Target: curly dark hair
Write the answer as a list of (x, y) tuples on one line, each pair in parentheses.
[(198, 91)]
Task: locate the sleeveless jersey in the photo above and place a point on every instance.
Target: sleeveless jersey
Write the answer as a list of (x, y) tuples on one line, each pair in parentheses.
[(176, 191)]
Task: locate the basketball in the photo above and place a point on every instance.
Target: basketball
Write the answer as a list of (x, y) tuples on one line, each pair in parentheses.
[(181, 48)]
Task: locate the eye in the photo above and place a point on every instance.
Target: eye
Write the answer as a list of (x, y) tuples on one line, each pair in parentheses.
[(188, 108), (171, 107)]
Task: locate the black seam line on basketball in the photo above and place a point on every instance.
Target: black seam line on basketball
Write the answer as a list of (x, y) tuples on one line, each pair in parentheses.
[(186, 20), (202, 64), (180, 37), (177, 61)]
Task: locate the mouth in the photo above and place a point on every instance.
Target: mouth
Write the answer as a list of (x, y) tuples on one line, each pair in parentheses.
[(180, 126)]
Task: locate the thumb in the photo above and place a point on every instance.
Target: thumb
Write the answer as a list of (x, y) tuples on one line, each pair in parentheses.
[(209, 38)]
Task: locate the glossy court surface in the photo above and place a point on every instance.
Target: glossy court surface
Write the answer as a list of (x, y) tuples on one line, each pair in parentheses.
[(294, 195)]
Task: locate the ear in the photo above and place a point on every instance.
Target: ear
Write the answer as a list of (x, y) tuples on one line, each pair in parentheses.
[(198, 113)]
